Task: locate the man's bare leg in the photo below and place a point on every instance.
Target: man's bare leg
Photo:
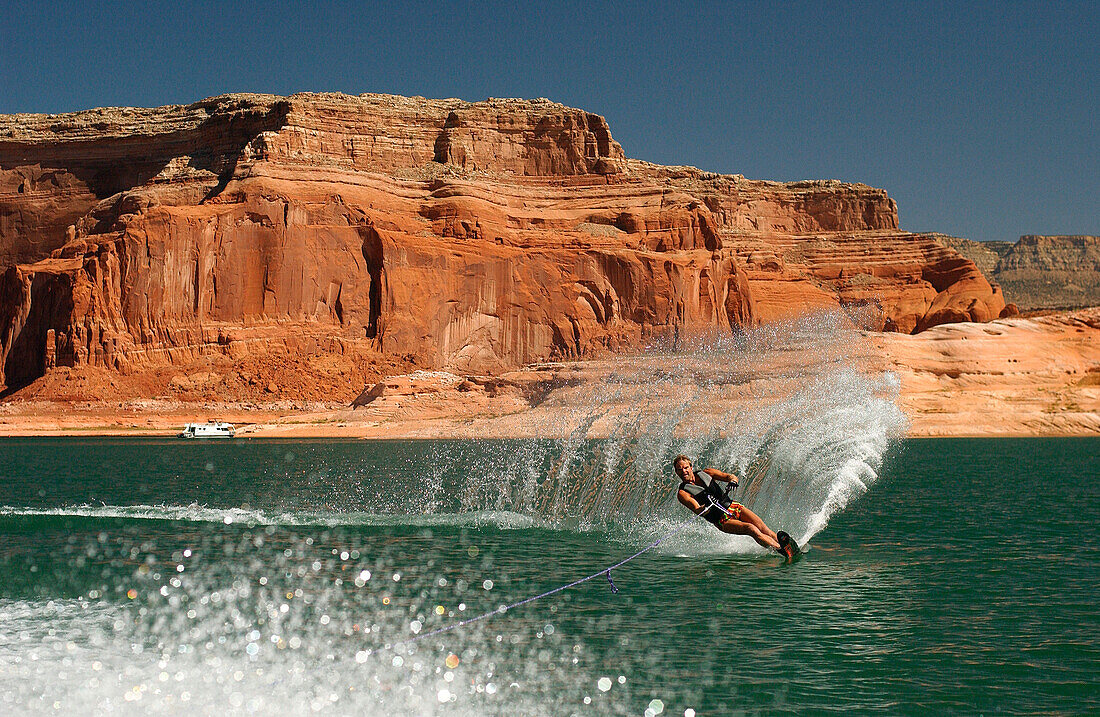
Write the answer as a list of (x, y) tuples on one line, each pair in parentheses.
[(748, 516), (740, 527)]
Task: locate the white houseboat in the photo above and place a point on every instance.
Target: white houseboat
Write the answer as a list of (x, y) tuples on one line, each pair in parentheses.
[(217, 429)]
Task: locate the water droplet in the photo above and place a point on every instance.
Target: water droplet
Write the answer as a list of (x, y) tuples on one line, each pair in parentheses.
[(604, 683)]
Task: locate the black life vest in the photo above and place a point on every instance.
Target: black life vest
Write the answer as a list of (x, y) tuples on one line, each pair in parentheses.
[(707, 494)]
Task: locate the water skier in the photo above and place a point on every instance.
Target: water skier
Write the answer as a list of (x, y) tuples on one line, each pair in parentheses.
[(700, 493)]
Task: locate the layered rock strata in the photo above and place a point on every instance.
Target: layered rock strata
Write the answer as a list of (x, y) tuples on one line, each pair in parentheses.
[(472, 236)]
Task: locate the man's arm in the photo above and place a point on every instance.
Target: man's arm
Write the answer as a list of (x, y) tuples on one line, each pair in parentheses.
[(719, 475), (688, 500)]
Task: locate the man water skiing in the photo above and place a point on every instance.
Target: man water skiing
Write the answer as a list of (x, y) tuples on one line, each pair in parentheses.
[(700, 493)]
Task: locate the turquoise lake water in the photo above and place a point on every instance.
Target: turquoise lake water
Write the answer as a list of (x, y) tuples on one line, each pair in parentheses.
[(157, 576)]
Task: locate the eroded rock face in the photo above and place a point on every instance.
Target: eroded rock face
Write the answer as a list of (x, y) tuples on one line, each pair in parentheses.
[(471, 236)]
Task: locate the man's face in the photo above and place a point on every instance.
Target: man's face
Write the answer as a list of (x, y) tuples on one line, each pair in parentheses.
[(683, 469)]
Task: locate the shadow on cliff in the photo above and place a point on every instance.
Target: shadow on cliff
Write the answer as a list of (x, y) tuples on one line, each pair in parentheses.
[(373, 255), (50, 306)]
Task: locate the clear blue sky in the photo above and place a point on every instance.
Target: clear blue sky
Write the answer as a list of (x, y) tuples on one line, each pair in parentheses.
[(979, 119)]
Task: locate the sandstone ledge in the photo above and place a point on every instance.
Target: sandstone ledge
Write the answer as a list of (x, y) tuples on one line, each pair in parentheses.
[(1036, 376)]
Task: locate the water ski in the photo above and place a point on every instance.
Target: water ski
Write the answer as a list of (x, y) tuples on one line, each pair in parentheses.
[(787, 547)]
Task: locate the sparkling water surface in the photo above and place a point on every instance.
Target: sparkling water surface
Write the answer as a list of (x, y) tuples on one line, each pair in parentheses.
[(146, 576)]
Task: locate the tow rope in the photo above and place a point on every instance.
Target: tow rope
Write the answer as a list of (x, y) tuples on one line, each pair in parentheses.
[(606, 571), (519, 603)]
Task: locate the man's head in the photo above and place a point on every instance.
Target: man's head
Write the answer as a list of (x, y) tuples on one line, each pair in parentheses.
[(682, 465)]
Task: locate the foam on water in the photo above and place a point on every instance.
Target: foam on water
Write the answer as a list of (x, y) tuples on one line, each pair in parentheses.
[(269, 618), (82, 657), (195, 513)]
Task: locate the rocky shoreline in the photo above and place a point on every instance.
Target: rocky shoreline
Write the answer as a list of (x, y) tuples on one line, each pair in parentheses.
[(1011, 377)]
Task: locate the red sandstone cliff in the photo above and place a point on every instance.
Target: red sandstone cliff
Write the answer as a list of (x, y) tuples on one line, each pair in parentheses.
[(469, 235)]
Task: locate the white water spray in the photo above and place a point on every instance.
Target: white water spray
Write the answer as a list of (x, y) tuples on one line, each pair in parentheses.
[(798, 410)]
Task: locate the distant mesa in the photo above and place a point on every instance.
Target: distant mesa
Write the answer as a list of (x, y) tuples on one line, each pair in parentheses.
[(1040, 272), (472, 236)]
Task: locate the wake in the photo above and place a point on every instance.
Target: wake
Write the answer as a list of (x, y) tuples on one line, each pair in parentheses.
[(195, 513)]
